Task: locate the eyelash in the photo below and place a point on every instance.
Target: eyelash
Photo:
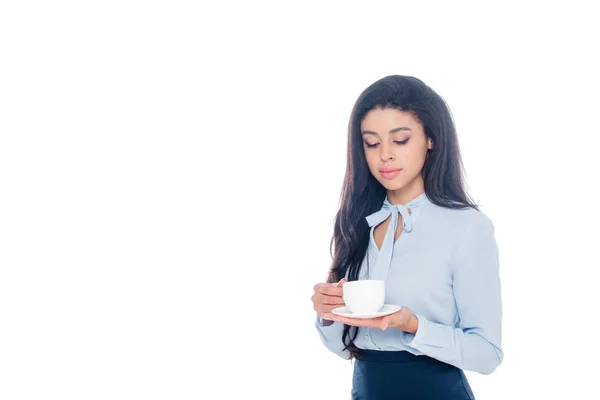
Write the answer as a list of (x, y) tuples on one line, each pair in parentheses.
[(395, 141)]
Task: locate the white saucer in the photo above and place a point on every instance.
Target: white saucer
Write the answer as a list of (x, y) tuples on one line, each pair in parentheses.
[(385, 310)]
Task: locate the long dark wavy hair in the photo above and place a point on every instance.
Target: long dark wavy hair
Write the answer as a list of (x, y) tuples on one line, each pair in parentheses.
[(362, 194)]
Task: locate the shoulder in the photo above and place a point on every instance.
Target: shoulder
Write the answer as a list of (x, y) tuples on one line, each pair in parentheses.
[(470, 237), (464, 220)]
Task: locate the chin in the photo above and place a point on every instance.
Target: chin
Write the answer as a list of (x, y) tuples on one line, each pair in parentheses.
[(392, 185)]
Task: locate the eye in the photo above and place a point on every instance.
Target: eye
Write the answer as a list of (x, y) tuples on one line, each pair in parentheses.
[(401, 142), (371, 145)]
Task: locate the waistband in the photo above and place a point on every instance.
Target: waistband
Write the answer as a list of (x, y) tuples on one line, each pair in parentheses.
[(392, 356)]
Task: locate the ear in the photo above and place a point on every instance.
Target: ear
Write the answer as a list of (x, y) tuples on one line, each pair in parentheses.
[(430, 144)]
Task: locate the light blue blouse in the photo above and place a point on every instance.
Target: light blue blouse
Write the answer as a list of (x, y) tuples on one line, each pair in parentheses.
[(444, 267)]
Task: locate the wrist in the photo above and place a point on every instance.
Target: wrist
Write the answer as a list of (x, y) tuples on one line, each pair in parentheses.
[(413, 324)]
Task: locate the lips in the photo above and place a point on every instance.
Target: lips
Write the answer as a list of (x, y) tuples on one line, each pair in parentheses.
[(390, 173), (389, 169)]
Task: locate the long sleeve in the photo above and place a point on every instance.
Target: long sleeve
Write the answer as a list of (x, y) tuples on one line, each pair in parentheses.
[(331, 336), (475, 344)]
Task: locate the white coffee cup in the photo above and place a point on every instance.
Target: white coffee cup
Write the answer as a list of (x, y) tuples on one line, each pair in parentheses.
[(364, 296)]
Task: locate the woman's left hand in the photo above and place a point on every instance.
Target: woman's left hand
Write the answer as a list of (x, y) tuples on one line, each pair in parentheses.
[(402, 319)]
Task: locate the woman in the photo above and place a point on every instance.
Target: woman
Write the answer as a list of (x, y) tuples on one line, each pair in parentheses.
[(405, 218)]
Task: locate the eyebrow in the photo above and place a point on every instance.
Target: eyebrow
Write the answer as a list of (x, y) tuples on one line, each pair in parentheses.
[(402, 128)]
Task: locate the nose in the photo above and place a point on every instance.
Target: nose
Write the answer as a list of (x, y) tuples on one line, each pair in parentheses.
[(386, 153)]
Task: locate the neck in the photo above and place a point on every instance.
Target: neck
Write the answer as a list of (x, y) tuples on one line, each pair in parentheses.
[(408, 192)]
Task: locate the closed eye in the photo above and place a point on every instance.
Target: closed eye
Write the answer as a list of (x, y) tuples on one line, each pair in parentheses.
[(395, 141)]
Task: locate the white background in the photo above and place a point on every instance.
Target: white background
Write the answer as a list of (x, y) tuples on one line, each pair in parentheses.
[(169, 175)]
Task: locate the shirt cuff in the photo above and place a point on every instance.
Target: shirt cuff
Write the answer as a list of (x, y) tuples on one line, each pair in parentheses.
[(323, 323), (429, 334)]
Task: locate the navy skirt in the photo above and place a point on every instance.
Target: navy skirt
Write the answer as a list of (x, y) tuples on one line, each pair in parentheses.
[(383, 375)]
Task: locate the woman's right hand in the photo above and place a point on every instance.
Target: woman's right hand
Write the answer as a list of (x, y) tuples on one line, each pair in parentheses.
[(328, 296)]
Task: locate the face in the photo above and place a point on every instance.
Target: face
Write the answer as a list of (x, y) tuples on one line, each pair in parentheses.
[(395, 147)]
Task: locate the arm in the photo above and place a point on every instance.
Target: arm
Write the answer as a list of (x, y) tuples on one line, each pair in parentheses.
[(331, 336), (475, 344), (330, 331)]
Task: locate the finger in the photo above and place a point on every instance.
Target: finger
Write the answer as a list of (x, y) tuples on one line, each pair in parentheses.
[(343, 320), (393, 319), (385, 321), (328, 289), (360, 322), (341, 282), (329, 307), (319, 298), (323, 309), (333, 300), (331, 290)]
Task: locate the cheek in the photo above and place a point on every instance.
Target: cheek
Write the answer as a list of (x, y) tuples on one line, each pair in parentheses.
[(415, 153), (372, 160), (416, 159)]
